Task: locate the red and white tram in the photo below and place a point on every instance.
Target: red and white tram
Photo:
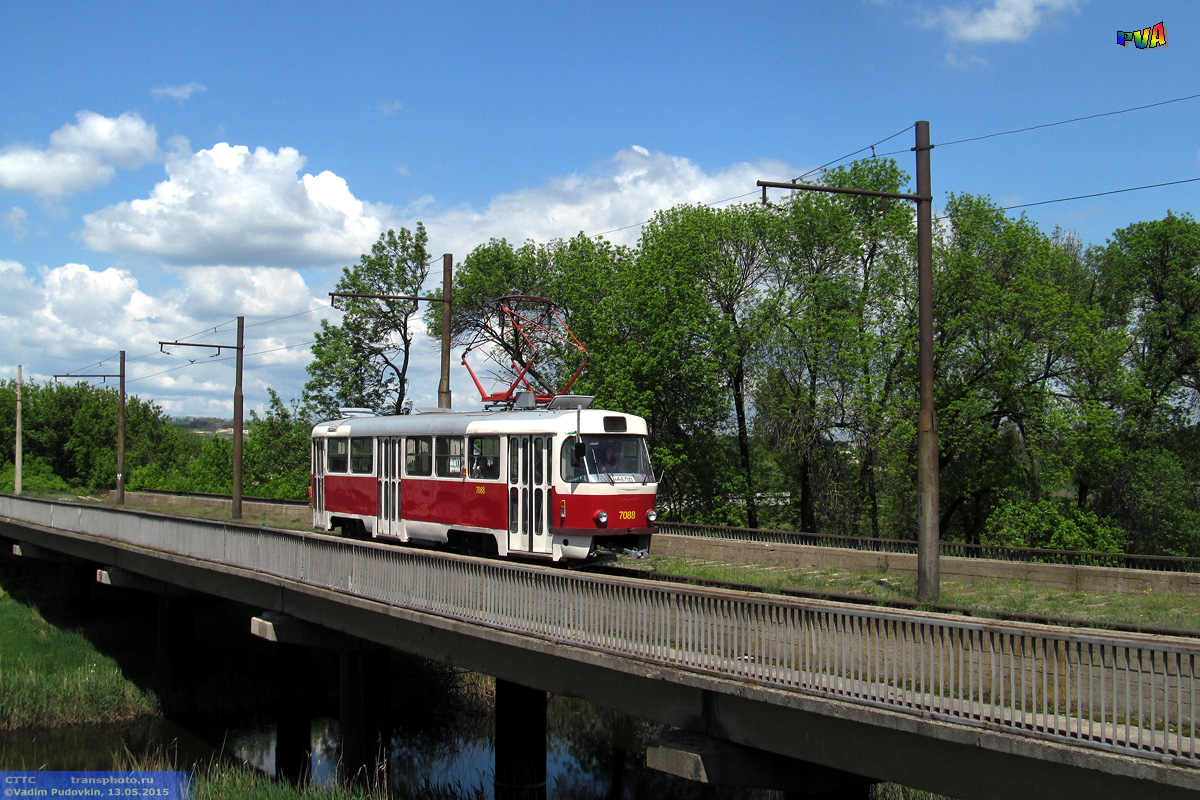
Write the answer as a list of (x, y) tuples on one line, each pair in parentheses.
[(561, 482)]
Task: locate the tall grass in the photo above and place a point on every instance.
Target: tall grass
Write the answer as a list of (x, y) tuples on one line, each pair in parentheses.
[(50, 677)]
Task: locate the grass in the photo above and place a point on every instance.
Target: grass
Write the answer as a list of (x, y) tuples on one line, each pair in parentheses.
[(227, 780), (50, 677)]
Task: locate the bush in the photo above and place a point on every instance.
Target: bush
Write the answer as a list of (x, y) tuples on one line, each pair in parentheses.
[(1052, 524)]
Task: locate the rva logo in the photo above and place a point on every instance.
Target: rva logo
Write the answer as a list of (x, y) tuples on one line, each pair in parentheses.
[(1147, 37)]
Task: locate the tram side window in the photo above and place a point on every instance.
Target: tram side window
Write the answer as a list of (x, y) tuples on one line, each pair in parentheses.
[(362, 450), (571, 466), (418, 455), (485, 457), (339, 455), (449, 457)]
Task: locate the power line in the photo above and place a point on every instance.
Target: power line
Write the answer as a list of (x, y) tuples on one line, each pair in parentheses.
[(1068, 121), (1101, 194), (215, 359), (870, 147)]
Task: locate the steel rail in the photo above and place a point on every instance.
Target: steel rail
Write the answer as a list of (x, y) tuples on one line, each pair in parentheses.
[(1128, 694)]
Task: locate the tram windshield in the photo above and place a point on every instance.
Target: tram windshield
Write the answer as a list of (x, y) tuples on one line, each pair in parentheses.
[(606, 459)]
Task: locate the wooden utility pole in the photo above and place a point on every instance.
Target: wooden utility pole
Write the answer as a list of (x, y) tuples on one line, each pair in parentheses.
[(928, 535)]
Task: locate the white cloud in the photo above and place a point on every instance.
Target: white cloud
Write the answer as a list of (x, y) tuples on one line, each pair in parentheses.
[(1002, 21), (63, 318), (388, 109), (80, 156), (969, 62), (179, 93), (253, 292), (228, 205), (612, 199), (16, 220)]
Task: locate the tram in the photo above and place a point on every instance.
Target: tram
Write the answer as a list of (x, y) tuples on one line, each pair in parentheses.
[(558, 481)]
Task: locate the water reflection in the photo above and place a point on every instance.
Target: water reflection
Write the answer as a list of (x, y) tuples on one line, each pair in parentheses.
[(100, 747), (591, 753)]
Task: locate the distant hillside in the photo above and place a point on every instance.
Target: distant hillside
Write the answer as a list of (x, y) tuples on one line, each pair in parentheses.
[(203, 425)]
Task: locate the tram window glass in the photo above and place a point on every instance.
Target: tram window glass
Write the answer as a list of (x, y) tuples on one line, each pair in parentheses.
[(537, 461), (485, 457), (611, 459), (339, 450), (418, 455), (362, 450), (449, 456)]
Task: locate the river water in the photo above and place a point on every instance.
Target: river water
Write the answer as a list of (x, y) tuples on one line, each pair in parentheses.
[(591, 752)]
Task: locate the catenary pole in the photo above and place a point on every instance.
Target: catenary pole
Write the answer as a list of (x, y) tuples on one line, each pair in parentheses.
[(18, 458), (444, 384), (237, 423), (237, 406), (928, 532), (121, 438)]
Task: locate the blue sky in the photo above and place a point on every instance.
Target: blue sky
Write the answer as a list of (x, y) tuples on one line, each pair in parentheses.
[(164, 168)]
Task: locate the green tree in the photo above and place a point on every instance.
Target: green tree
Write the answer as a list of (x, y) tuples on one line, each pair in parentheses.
[(276, 459), (363, 362), (725, 257), (1013, 311), (837, 392), (1053, 524)]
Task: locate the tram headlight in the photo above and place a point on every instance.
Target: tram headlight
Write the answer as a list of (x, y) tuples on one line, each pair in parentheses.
[(602, 517), (651, 515)]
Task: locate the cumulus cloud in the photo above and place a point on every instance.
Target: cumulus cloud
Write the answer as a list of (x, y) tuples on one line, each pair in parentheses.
[(1002, 21), (179, 93), (393, 107), (230, 205), (80, 156), (613, 199), (16, 220), (57, 320)]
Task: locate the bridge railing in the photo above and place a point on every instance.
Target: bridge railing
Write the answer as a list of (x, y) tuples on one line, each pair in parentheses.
[(948, 549), (1130, 694)]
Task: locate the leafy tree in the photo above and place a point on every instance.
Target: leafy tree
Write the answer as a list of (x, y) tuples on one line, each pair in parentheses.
[(364, 361), (725, 257), (276, 452), (837, 396), (1013, 310)]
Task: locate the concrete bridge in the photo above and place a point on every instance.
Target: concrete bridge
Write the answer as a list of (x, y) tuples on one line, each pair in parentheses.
[(836, 693)]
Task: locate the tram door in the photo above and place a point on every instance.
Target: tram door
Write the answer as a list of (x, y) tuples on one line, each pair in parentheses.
[(318, 471), (390, 453), (529, 494)]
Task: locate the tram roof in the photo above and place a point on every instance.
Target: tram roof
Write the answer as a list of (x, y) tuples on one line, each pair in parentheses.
[(533, 420)]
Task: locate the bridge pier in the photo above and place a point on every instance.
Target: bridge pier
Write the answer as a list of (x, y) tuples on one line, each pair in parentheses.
[(364, 697), (293, 721), (520, 742), (176, 625)]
